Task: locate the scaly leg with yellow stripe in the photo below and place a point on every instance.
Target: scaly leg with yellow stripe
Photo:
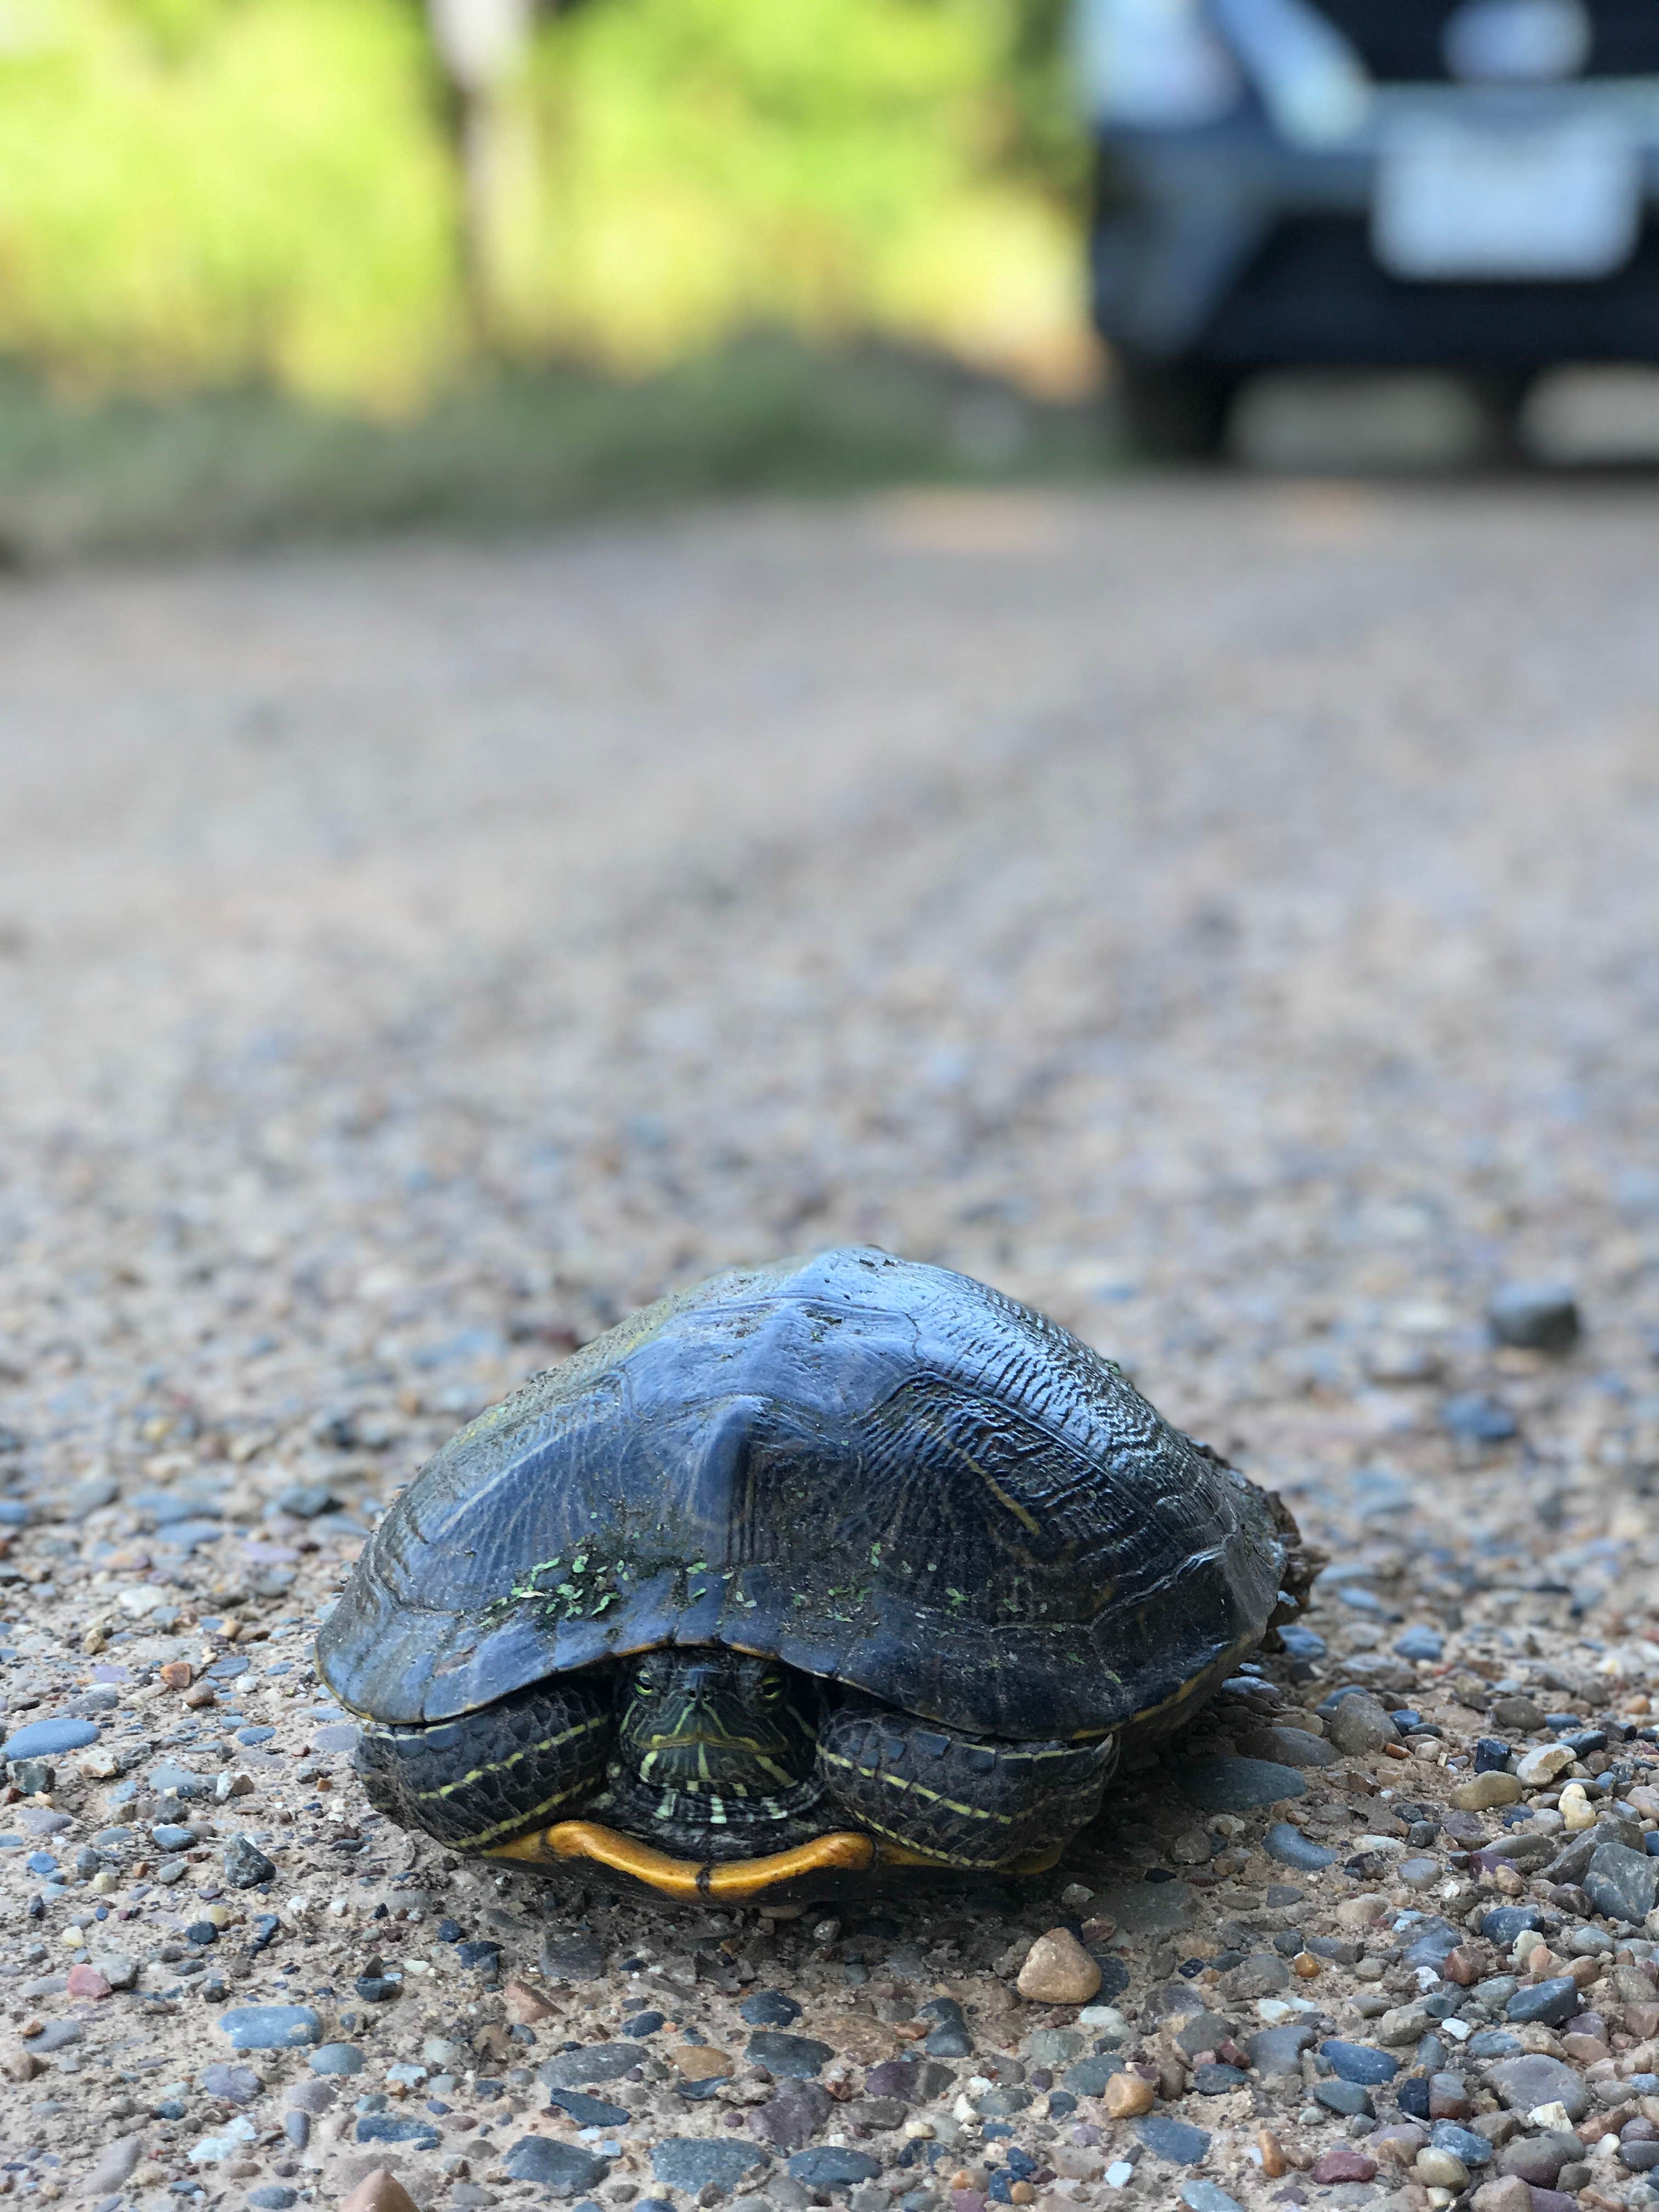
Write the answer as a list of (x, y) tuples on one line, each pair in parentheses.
[(476, 1782), (975, 1801)]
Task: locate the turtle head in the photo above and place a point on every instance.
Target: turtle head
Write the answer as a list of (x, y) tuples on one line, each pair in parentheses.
[(708, 1721)]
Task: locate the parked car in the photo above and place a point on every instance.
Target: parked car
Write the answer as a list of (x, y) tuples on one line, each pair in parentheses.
[(1464, 184)]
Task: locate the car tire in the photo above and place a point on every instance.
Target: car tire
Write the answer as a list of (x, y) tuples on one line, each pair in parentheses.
[(1172, 409), (1502, 401)]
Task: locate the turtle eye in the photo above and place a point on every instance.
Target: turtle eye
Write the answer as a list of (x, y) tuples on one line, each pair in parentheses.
[(772, 1687), (645, 1681)]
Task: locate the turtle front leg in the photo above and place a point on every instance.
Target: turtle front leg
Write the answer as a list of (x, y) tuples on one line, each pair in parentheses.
[(976, 1802), (481, 1780)]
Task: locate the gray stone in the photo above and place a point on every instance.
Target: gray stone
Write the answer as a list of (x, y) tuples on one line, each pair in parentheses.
[(595, 2061), (1262, 1975), (1055, 2046), (1348, 2098), (1181, 2144), (1436, 1941), (579, 1957), (893, 2078), (115, 2164), (313, 2097), (1292, 1848), (798, 2056), (1208, 2196), (1292, 1746), (305, 1500), (589, 2111), (1538, 2159), (790, 2119), (235, 2085), (1491, 2043), (563, 2167), (1524, 2082), (1361, 1723), (49, 1739), (1517, 1711), (1572, 1863), (1462, 2142), (695, 2162), (1535, 1316), (1146, 1908), (1276, 2052), (89, 1495), (395, 2128), (169, 1779), (769, 2008), (1089, 2077), (1358, 2061), (1202, 2031), (1553, 2002), (336, 2058), (1505, 1922), (1218, 1783), (273, 2196), (1621, 1883), (1478, 1418), (831, 2167), (271, 2028), (1420, 1644), (245, 1864), (1003, 2104)]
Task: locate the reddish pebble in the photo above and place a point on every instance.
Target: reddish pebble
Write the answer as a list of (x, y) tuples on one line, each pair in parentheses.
[(967, 2200), (87, 1982), (1462, 1967), (379, 2192), (1345, 2165)]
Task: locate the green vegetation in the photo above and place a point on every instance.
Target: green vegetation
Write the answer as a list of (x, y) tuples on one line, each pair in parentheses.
[(219, 192), (231, 287), (194, 471)]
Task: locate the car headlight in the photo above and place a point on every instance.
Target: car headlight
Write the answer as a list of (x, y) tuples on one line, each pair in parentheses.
[(1157, 63)]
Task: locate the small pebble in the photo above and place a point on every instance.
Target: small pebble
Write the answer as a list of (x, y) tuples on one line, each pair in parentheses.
[(1535, 1316), (1058, 1971), (1482, 1792), (1126, 2096)]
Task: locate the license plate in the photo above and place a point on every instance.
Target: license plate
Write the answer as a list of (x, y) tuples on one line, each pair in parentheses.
[(1557, 200)]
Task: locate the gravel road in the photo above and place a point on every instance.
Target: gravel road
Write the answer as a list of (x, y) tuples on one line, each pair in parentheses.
[(1224, 915)]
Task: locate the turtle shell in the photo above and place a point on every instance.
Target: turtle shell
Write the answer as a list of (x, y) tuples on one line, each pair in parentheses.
[(886, 1474)]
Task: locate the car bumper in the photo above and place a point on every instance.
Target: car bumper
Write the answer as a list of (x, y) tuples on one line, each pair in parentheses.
[(1231, 243)]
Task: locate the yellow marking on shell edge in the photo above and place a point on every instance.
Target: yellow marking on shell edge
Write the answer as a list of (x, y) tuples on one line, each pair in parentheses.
[(1185, 1689), (589, 1839)]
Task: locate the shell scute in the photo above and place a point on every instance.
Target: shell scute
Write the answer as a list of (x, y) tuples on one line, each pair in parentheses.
[(882, 1472)]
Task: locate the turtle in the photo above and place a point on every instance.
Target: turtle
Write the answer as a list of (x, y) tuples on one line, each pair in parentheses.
[(842, 1570)]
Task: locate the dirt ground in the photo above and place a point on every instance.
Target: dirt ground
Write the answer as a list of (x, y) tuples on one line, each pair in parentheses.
[(1222, 915)]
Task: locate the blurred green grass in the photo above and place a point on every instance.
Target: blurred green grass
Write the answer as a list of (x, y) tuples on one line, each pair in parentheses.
[(218, 192), (516, 449)]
